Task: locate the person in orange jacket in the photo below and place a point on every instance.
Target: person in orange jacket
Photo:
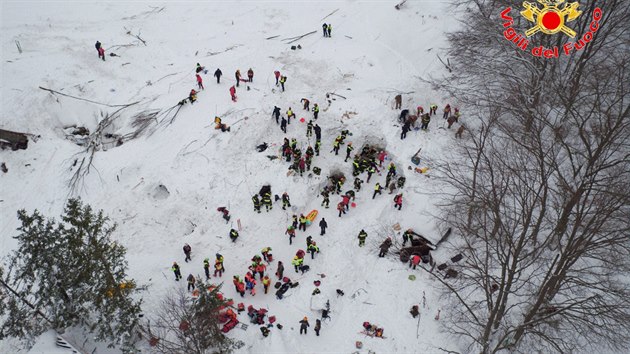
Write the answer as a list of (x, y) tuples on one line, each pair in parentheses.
[(261, 268), (218, 268), (266, 281)]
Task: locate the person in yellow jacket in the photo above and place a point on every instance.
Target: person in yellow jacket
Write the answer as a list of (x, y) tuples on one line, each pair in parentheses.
[(315, 111), (266, 281), (283, 79), (297, 262), (377, 190), (290, 115)]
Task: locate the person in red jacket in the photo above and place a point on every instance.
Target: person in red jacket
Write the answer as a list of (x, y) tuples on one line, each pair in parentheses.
[(345, 200), (341, 208), (302, 166), (277, 74), (398, 201), (199, 82), (414, 261), (233, 93)]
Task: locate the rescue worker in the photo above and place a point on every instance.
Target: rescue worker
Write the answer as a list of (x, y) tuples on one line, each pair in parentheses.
[(312, 248), (283, 125), (324, 29), (280, 270), (318, 131), (447, 111), (414, 261), (426, 118), (276, 114), (309, 129), (285, 201), (283, 79), (289, 115), (192, 97), (264, 330), (175, 269), (329, 29), (349, 149), (256, 202), (218, 268), (377, 190), (318, 326), (357, 184), (277, 75), (318, 144), (206, 268), (414, 311), (341, 208), (199, 82), (315, 111), (302, 223), (295, 221), (266, 281), (326, 200), (305, 104), (336, 145), (405, 129), (291, 232), (267, 201), (433, 109), (457, 115), (323, 225), (187, 251), (385, 247), (370, 171), (297, 262), (191, 282), (233, 235), (398, 102), (237, 74), (265, 253), (304, 325), (250, 75), (362, 237), (218, 74)]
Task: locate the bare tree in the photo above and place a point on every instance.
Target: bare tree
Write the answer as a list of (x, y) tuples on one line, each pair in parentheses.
[(540, 199)]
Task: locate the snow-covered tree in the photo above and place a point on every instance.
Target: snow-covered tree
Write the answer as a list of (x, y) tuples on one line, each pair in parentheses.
[(541, 198), (69, 274)]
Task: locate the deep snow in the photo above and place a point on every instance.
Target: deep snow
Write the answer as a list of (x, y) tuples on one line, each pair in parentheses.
[(374, 53)]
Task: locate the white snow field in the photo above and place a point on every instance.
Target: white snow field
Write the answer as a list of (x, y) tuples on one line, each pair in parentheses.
[(375, 52)]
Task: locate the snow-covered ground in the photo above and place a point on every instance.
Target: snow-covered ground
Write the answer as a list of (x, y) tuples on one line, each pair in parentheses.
[(375, 53)]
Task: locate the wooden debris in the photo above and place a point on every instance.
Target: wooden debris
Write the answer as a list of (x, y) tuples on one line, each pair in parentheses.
[(330, 14)]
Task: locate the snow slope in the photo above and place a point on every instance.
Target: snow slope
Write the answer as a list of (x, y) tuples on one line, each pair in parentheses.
[(375, 52)]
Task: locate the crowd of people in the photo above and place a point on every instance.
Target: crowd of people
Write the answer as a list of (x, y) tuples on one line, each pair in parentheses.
[(301, 158)]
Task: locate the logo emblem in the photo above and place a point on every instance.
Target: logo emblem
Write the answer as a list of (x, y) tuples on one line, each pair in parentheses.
[(551, 19)]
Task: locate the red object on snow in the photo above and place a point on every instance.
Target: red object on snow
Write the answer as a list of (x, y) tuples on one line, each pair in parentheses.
[(272, 319), (317, 282), (228, 326), (302, 120), (354, 205)]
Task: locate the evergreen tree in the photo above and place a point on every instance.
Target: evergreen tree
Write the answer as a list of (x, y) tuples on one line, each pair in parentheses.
[(69, 274)]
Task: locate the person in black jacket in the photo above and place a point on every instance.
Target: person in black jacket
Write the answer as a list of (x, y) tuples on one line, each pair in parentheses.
[(318, 132), (218, 74), (405, 129), (323, 225), (318, 326), (98, 46), (283, 125), (276, 114), (187, 251), (304, 325)]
